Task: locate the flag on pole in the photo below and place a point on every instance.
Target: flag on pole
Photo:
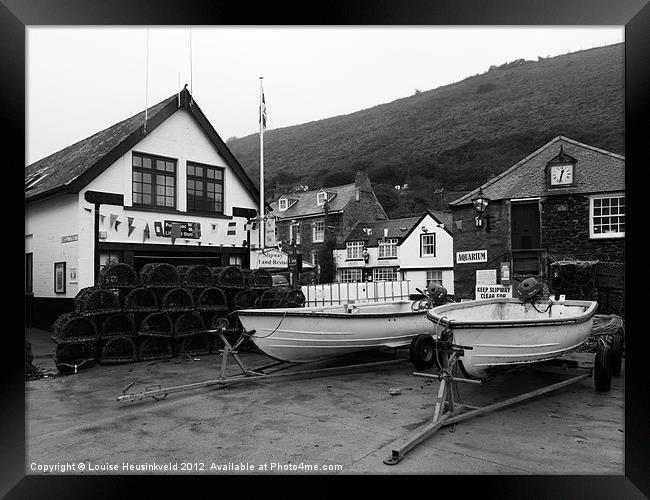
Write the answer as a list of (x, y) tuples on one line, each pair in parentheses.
[(263, 110)]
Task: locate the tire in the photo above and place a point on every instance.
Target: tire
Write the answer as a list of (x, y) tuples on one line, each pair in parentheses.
[(603, 367), (423, 351), (617, 354)]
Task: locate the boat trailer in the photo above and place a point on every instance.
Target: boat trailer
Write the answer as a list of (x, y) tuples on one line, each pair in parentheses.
[(265, 372), (447, 411)]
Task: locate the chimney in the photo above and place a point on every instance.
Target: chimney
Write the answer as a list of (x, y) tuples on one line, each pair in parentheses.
[(362, 181)]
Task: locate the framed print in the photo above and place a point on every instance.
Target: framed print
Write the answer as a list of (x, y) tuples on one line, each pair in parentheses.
[(59, 277)]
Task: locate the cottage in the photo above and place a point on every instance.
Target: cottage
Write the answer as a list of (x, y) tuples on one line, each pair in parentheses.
[(417, 249), (316, 220), (156, 187), (565, 201)]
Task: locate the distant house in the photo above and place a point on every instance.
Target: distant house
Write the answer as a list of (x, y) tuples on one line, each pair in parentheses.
[(564, 201), (317, 220), (164, 190), (419, 249)]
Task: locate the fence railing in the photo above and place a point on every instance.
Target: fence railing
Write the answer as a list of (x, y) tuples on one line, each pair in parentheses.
[(359, 292)]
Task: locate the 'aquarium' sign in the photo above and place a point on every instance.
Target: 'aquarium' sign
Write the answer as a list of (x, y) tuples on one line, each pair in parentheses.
[(472, 256)]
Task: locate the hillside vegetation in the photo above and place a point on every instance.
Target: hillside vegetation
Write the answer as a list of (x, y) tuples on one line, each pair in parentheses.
[(454, 136)]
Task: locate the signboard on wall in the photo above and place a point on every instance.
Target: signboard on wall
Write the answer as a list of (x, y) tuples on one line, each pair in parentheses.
[(471, 256), (272, 258), (486, 276), (179, 229), (493, 291)]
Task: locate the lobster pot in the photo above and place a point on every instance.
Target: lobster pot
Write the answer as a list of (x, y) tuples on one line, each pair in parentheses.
[(159, 275), (248, 277), (261, 278), (210, 299), (177, 300), (68, 355), (611, 301), (157, 324), (228, 277), (117, 275), (193, 345), (118, 350), (610, 275), (242, 299), (154, 348), (91, 301), (73, 328), (117, 325), (140, 300), (282, 298), (198, 276), (188, 324)]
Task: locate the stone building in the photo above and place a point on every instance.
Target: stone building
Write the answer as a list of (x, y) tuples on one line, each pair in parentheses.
[(565, 201)]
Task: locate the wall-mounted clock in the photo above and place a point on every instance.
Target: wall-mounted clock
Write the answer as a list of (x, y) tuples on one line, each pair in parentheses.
[(561, 175)]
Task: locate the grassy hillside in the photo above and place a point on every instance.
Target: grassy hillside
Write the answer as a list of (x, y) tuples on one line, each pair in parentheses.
[(459, 134)]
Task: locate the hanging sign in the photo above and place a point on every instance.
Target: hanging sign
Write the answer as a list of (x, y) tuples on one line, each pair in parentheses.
[(272, 258), (493, 291), (471, 256), (177, 229), (294, 262)]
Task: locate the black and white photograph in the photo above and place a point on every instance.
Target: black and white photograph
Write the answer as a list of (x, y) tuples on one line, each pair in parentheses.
[(325, 250)]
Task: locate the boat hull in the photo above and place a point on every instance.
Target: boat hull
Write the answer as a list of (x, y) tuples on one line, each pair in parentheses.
[(505, 333), (309, 334)]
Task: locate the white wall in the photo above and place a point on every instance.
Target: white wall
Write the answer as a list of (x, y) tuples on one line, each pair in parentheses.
[(418, 279), (46, 222)]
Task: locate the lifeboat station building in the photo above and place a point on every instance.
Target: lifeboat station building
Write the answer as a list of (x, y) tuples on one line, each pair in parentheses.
[(160, 186), (563, 203)]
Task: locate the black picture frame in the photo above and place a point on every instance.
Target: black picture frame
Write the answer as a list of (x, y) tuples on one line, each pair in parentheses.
[(60, 277), (15, 15)]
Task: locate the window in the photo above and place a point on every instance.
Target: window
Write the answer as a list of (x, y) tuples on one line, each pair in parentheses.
[(235, 260), (29, 273), (154, 181), (314, 260), (319, 232), (204, 188), (283, 204), (388, 247), (321, 197), (607, 217), (350, 275), (428, 245), (109, 258), (385, 274), (355, 249), (294, 233), (434, 276)]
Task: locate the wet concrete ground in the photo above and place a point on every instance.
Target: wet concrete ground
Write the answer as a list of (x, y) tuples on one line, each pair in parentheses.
[(347, 420)]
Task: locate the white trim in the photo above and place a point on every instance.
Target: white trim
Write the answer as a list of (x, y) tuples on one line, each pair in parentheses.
[(534, 198), (598, 236)]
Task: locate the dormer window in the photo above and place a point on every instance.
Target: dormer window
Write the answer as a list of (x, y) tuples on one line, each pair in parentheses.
[(283, 204), (321, 197)]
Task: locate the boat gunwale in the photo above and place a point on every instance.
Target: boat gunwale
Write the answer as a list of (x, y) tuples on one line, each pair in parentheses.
[(454, 324), (333, 311)]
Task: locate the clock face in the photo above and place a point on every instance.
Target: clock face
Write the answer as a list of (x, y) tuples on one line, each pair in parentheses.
[(561, 175)]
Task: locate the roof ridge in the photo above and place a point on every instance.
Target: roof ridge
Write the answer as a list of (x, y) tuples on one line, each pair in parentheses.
[(593, 148)]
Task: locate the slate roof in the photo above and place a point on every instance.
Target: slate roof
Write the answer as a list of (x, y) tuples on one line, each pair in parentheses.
[(73, 167), (596, 171), (397, 228), (306, 204)]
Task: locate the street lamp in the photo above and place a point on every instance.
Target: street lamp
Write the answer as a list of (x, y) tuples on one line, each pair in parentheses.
[(480, 203)]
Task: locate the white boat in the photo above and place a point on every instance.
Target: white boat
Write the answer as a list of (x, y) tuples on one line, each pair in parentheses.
[(312, 333), (504, 332)]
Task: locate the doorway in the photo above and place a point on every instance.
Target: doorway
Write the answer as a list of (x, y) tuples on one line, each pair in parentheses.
[(525, 238)]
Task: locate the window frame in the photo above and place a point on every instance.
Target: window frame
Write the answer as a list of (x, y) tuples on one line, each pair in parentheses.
[(315, 231), (422, 237), (294, 232), (357, 272), (318, 198), (388, 242), (286, 204), (609, 196), (204, 179), (356, 247), (154, 173), (377, 270), (426, 276)]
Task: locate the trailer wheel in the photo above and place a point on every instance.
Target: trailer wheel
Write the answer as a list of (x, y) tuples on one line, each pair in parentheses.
[(603, 367), (423, 351), (617, 354)]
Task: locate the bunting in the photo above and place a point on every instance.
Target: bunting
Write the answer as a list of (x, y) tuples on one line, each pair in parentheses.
[(89, 210), (145, 233), (101, 218), (113, 219), (131, 226)]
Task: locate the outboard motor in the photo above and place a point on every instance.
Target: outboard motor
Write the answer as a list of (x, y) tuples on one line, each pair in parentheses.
[(437, 293), (529, 289)]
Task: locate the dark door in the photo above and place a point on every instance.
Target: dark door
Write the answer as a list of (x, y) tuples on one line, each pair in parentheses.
[(526, 238)]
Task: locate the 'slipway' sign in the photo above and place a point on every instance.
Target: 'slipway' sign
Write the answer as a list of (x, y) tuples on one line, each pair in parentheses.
[(471, 256), (272, 258), (493, 291)]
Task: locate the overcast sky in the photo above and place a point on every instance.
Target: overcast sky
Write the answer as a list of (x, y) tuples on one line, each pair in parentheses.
[(82, 80)]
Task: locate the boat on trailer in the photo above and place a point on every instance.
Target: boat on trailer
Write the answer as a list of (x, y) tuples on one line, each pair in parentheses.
[(502, 333), (312, 333)]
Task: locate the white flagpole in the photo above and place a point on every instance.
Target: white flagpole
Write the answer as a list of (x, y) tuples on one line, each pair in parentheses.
[(261, 212)]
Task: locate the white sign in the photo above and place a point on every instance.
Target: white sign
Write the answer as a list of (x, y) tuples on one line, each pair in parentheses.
[(269, 232), (471, 256), (493, 291), (486, 276), (69, 238), (272, 258)]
